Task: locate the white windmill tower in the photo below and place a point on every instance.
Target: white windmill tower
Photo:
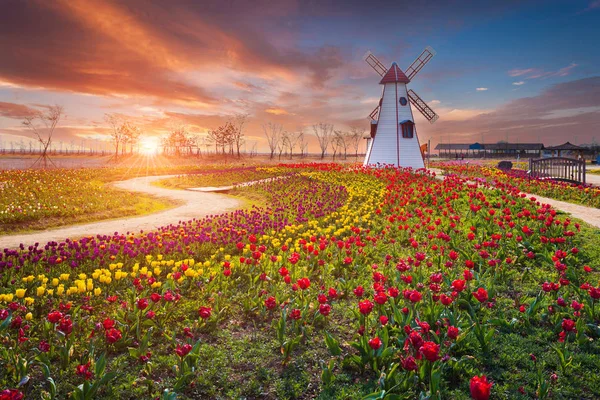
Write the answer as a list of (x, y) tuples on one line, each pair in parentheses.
[(394, 137)]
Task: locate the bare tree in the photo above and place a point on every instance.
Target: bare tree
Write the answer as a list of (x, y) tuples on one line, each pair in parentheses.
[(283, 143), (324, 134), (342, 138), (178, 141), (301, 141), (238, 122), (291, 140), (273, 133), (43, 124), (335, 145), (356, 137), (117, 133), (222, 137), (131, 135)]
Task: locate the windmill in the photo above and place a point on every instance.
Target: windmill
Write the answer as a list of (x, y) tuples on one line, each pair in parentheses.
[(394, 137)]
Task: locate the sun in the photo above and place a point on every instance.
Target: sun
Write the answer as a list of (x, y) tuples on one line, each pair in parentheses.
[(149, 145)]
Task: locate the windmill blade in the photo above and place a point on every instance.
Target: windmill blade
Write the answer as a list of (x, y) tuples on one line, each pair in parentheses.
[(375, 63), (373, 114), (420, 62), (420, 105)]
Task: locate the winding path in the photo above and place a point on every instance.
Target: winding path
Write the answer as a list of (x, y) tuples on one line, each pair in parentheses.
[(589, 215), (195, 204)]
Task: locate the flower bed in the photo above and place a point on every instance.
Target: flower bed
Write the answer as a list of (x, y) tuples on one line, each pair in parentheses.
[(517, 178), (351, 283)]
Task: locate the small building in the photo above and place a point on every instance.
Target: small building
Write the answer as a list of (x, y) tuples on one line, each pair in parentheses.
[(502, 149), (566, 149)]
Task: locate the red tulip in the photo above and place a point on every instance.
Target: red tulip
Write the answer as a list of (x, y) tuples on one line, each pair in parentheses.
[(270, 303), (113, 335), (481, 295), (453, 332), (409, 364), (325, 309), (568, 325), (430, 351), (205, 312), (459, 285), (375, 343), (108, 323), (54, 316), (359, 291), (142, 303), (84, 371), (182, 351), (365, 307), (380, 298), (480, 388)]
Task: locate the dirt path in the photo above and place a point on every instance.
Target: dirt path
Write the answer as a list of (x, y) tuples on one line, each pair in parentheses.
[(195, 204), (588, 214)]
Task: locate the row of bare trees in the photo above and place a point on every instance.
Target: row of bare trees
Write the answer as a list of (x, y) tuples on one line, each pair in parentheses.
[(229, 138), (280, 140)]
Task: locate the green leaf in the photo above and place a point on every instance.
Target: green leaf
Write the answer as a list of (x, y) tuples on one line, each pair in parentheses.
[(375, 395), (6, 322), (489, 334), (100, 365), (332, 344)]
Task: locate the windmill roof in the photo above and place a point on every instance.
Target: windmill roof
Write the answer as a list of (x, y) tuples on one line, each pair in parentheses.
[(394, 74)]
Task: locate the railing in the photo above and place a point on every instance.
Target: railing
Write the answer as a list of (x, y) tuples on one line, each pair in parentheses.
[(558, 168)]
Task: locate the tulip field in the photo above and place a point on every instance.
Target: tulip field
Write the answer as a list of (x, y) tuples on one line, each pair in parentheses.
[(343, 283), (518, 178)]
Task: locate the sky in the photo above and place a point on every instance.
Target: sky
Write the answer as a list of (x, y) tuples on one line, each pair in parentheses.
[(521, 71)]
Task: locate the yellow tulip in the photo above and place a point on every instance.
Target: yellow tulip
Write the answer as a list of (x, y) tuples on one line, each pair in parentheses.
[(20, 293), (60, 290), (97, 291), (50, 292), (40, 291), (29, 316), (29, 301)]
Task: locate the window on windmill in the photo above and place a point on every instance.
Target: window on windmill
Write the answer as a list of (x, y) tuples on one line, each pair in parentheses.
[(407, 129), (403, 101)]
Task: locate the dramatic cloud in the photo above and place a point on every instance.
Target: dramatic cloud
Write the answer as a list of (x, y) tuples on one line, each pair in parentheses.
[(562, 111), (290, 62), (143, 48)]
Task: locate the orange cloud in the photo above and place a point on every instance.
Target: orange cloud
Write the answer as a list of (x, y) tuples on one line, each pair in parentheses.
[(277, 111)]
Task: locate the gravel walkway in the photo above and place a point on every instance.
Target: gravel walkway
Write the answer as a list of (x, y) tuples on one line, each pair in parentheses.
[(195, 204), (588, 214)]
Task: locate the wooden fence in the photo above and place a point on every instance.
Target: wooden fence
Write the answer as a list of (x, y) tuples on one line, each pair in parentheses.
[(559, 168)]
